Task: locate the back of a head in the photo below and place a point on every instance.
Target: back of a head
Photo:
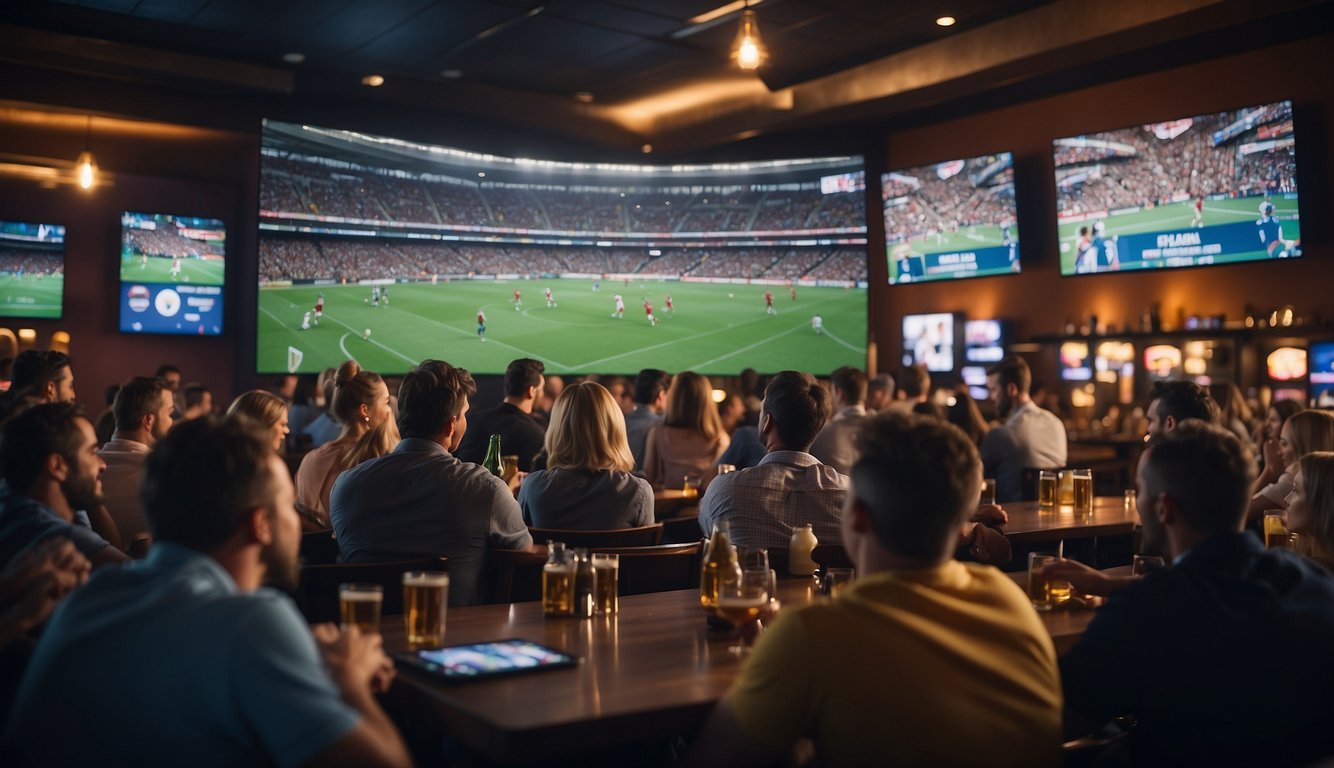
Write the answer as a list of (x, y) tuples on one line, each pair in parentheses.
[(353, 388), (35, 368), (521, 374), (138, 397), (165, 369), (851, 382), (1183, 400), (799, 405), (1206, 470), (914, 381), (1310, 430), (649, 384), (194, 394), (690, 405), (919, 477), (33, 435), (260, 406), (431, 394), (202, 479), (1286, 409), (1012, 369), (878, 384), (587, 431)]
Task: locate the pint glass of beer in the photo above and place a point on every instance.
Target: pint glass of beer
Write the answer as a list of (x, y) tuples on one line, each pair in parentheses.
[(606, 570), (1039, 588), (1082, 491), (988, 492), (558, 585), (359, 606), (425, 595), (1046, 490), (1276, 530)]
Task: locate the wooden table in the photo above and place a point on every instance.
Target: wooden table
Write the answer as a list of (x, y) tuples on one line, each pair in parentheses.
[(652, 672), (1028, 523), (671, 502)]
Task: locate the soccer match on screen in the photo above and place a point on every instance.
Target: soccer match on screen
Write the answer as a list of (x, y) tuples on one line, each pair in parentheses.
[(389, 252), (1212, 189), (32, 269), (159, 248)]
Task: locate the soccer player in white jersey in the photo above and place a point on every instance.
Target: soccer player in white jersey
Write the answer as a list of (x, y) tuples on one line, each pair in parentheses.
[(817, 325), (305, 321), (175, 267), (551, 301), (619, 314)]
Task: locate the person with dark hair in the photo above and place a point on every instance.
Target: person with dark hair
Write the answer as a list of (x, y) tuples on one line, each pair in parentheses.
[(651, 387), (325, 428), (879, 392), (48, 454), (40, 376), (789, 487), (1029, 438), (1172, 402), (143, 411), (223, 670), (836, 444), (422, 501), (690, 439), (198, 401), (965, 415), (873, 673), (105, 423), (914, 387), (520, 434), (1176, 650), (170, 374)]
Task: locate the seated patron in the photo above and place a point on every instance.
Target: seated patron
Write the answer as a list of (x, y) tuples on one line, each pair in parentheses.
[(1311, 507), (836, 445), (1178, 650), (789, 487), (1302, 433), (143, 411), (422, 501), (40, 376), (918, 641), (650, 392), (221, 670), (265, 409), (587, 484), (914, 387), (520, 434), (198, 401), (1172, 402), (690, 439), (1029, 438)]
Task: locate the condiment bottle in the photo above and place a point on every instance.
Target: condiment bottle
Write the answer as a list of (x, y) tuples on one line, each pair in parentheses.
[(799, 560)]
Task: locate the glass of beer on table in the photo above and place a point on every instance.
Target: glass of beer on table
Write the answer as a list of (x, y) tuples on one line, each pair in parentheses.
[(741, 603), (690, 486), (425, 595), (1081, 490), (606, 568), (558, 581), (1045, 593), (1046, 490), (359, 606)]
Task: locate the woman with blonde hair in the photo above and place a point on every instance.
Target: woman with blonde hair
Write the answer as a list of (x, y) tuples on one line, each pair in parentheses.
[(587, 484), (691, 437), (266, 409), (360, 403), (1311, 507), (1303, 432)]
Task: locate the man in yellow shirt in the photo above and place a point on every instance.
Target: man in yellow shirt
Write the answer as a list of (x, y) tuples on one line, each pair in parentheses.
[(922, 661)]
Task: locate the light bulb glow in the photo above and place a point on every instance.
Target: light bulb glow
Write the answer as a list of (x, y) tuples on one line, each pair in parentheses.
[(86, 168), (747, 49), (748, 55)]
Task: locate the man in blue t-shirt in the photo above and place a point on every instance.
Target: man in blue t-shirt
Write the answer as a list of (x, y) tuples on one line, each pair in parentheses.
[(183, 658)]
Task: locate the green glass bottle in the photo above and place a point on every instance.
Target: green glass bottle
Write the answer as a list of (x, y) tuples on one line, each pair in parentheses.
[(493, 462)]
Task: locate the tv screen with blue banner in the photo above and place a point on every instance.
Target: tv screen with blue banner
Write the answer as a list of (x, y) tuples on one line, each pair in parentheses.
[(950, 220), (1195, 191), (172, 274)]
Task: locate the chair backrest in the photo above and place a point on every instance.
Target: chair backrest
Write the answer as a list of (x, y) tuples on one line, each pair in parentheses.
[(317, 591), (512, 576), (643, 536), (659, 568), (318, 548)]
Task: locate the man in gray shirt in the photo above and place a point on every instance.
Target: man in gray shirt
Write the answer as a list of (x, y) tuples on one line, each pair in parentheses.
[(836, 445), (1030, 437), (650, 400), (421, 501)]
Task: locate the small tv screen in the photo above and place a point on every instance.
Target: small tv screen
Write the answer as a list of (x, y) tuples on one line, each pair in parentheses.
[(1162, 361), (951, 220), (172, 274), (1286, 364), (1076, 362), (391, 251), (975, 376), (1320, 360), (929, 340), (1194, 191), (983, 341), (32, 269)]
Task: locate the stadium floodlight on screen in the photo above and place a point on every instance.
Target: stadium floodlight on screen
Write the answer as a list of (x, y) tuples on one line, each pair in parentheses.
[(929, 340), (951, 220), (32, 269), (172, 274), (1212, 189), (390, 252)]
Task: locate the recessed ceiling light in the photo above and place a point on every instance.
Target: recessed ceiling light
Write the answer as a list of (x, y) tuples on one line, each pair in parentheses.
[(647, 148), (294, 57), (374, 81), (451, 74), (946, 21), (481, 174), (583, 97)]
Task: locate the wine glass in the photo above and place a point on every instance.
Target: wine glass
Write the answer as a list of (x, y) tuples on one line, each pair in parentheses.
[(741, 603)]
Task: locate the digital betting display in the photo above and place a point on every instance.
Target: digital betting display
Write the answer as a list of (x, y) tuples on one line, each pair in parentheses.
[(172, 274)]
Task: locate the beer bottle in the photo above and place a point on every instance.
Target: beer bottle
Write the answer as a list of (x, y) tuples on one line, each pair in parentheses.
[(720, 566), (493, 461), (584, 576)]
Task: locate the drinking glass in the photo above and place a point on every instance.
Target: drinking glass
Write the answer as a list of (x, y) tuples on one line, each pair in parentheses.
[(359, 606), (690, 486), (753, 558), (1143, 565), (424, 600), (607, 568), (1046, 490), (741, 604), (835, 579), (1046, 594), (1065, 487), (1276, 529), (1081, 491), (988, 492)]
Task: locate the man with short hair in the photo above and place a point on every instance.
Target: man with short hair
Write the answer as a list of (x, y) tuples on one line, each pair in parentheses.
[(198, 400), (836, 445), (143, 409), (875, 675), (1172, 402), (1029, 438), (1222, 659), (914, 388), (650, 401), (221, 670), (40, 376), (879, 392), (789, 487), (520, 434), (422, 501), (49, 458)]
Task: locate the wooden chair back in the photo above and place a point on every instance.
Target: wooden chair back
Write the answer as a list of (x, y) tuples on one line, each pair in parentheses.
[(513, 576), (317, 591), (319, 548), (683, 528), (643, 536)]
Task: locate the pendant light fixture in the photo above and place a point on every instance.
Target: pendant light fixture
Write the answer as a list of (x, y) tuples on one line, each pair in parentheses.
[(86, 166), (748, 50)]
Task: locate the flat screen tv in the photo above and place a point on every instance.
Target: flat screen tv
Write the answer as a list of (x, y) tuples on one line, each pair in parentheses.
[(391, 251), (984, 341), (1076, 363), (172, 274), (1194, 191), (950, 220), (929, 340), (1320, 360), (32, 269)]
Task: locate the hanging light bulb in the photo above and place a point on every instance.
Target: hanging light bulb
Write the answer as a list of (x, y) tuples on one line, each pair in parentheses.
[(86, 166), (748, 49)]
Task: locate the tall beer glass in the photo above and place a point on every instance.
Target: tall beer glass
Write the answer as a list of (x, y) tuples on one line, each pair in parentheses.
[(1082, 491), (1046, 490), (424, 600), (359, 606), (606, 569)]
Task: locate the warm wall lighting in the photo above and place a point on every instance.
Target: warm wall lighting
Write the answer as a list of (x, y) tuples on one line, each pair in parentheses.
[(748, 49), (719, 395), (86, 166), (945, 21), (374, 81)]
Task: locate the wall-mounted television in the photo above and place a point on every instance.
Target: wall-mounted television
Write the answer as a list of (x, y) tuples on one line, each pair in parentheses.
[(32, 269), (172, 274), (391, 251), (1193, 191), (1320, 361), (929, 340), (1076, 363), (951, 220), (984, 341)]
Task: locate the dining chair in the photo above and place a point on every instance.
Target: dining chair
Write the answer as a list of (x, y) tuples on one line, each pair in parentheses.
[(317, 590), (642, 536), (660, 568), (319, 548)]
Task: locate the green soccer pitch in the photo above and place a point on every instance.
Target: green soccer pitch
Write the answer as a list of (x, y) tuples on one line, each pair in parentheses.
[(31, 295), (967, 238), (1179, 216), (715, 329), (158, 270)]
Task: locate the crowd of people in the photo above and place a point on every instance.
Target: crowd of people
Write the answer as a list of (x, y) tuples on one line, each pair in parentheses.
[(190, 526), (164, 242), (14, 261), (936, 205)]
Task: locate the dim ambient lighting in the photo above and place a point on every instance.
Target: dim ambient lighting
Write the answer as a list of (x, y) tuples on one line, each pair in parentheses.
[(583, 97), (719, 395), (646, 149), (294, 57), (86, 166), (374, 81), (945, 21), (748, 49), (27, 335)]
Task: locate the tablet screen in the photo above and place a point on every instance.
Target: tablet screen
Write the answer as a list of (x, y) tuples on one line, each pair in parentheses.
[(479, 660)]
